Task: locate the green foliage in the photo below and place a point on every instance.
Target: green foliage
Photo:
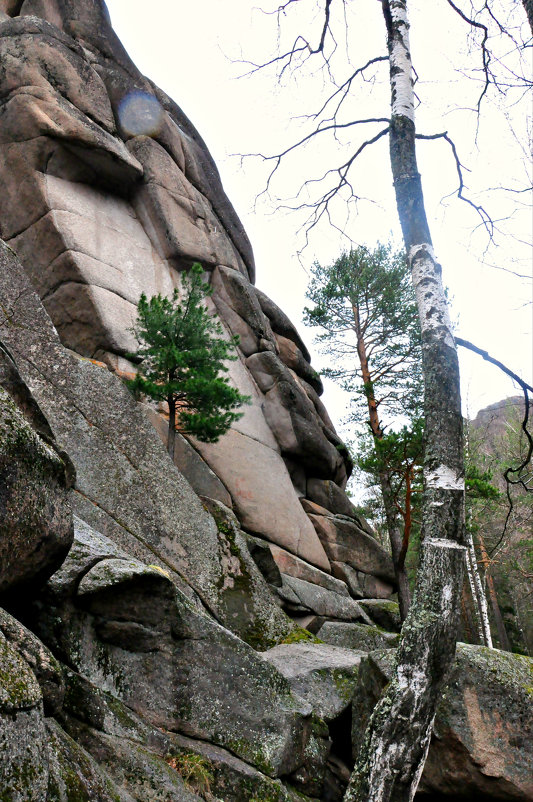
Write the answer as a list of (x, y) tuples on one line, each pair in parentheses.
[(478, 484), (183, 354), (368, 293)]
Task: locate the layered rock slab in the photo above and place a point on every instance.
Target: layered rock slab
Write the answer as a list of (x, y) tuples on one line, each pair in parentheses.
[(110, 191)]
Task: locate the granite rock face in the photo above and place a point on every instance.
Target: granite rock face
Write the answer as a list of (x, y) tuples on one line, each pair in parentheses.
[(162, 658), (109, 191)]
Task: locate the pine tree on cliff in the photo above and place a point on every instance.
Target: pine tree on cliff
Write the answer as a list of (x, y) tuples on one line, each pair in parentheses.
[(183, 354)]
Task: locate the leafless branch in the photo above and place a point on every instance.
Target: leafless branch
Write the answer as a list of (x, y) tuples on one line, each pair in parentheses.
[(486, 56), (486, 219), (519, 470)]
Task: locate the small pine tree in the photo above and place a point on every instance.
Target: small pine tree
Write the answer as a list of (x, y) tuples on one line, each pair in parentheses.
[(183, 355)]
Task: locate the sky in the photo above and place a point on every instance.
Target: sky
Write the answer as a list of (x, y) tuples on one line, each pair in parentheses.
[(199, 52)]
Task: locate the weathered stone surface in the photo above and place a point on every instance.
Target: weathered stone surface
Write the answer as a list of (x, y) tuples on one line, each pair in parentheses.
[(45, 667), (322, 674), (292, 416), (144, 774), (262, 494), (307, 596), (291, 356), (178, 217), (362, 586), (233, 780), (201, 478), (232, 288), (109, 191), (356, 636), (35, 514), (23, 756), (131, 632), (280, 322), (295, 567), (262, 557), (74, 774), (345, 542), (331, 497), (148, 509), (259, 621), (384, 613), (483, 733)]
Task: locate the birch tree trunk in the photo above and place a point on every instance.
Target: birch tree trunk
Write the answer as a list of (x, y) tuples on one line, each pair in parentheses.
[(497, 613), (478, 592), (475, 606), (394, 749)]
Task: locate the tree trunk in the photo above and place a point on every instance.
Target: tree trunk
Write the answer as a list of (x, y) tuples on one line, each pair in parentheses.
[(171, 440), (392, 757), (478, 592), (396, 542), (498, 618), (476, 612)]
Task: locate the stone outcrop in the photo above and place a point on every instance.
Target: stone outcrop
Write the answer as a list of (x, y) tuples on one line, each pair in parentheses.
[(108, 191), (151, 613), (35, 514)]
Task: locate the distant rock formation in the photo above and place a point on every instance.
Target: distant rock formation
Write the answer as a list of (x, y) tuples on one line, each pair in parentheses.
[(152, 646)]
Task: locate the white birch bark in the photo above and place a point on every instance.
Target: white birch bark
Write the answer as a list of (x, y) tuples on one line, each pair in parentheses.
[(392, 756), (478, 592), (473, 593)]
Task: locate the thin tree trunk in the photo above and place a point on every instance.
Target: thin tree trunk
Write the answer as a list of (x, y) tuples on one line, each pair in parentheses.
[(479, 592), (465, 615), (498, 618), (394, 749), (473, 594), (387, 493), (171, 440)]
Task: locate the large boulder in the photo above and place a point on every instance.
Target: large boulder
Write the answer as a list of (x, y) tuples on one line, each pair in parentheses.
[(323, 675), (129, 630), (482, 744), (35, 513)]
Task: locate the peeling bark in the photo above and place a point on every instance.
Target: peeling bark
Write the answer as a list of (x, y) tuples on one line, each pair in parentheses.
[(393, 753)]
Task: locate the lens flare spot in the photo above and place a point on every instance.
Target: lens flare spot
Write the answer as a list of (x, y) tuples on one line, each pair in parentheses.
[(140, 114)]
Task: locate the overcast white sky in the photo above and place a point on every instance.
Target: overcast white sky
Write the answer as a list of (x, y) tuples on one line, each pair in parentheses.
[(189, 49)]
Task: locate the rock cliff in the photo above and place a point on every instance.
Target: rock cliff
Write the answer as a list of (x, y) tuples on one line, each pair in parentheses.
[(151, 641)]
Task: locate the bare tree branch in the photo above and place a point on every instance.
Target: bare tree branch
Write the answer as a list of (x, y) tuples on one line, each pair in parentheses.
[(518, 471), (486, 219)]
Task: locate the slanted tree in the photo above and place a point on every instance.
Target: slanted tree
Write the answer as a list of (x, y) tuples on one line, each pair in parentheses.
[(182, 354), (365, 308)]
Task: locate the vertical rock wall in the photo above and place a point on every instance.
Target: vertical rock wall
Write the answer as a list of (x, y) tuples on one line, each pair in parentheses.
[(108, 191)]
